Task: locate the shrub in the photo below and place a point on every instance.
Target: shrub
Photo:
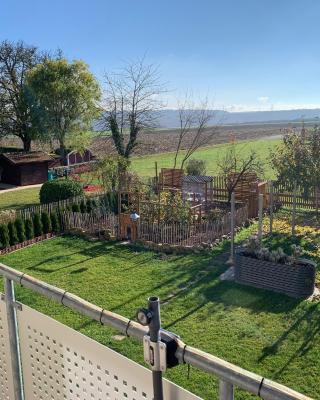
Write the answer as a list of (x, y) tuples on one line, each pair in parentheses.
[(89, 206), (28, 225), (4, 236), (13, 237), (60, 189), (46, 222), (83, 207), (55, 222), (196, 167), (21, 233), (75, 208), (37, 225)]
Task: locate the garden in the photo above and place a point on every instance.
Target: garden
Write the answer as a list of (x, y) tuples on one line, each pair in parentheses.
[(271, 334)]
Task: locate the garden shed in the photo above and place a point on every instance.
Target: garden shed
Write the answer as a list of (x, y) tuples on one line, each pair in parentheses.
[(197, 187), (22, 168)]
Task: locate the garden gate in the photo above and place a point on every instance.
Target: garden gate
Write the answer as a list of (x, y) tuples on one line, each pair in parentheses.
[(41, 358)]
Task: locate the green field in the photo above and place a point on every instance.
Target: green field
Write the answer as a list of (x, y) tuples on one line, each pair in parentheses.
[(145, 165), (272, 335)]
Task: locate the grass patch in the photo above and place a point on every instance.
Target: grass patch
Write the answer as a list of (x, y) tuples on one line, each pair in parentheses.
[(144, 165), (273, 335), (19, 198)]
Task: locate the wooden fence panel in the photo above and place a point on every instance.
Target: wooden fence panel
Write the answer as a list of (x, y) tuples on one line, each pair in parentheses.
[(90, 223), (191, 234)]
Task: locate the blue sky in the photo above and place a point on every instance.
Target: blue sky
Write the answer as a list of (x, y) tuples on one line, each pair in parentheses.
[(243, 54)]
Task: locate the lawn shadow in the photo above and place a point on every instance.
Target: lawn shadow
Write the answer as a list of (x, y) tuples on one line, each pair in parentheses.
[(309, 322)]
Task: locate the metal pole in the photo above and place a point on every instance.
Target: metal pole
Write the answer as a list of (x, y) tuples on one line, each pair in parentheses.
[(233, 207), (271, 208), (13, 338), (294, 209), (226, 391), (154, 331), (260, 216)]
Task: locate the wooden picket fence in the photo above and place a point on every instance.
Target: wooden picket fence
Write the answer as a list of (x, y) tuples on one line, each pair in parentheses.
[(283, 195), (57, 206), (90, 222), (191, 234)]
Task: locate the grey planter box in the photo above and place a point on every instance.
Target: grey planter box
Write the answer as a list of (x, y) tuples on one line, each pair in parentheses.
[(293, 280)]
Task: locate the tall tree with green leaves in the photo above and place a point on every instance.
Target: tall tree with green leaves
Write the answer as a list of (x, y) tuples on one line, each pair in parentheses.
[(297, 159), (65, 97), (16, 59)]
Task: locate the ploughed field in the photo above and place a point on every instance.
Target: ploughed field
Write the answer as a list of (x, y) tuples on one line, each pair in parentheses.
[(267, 333), (165, 140)]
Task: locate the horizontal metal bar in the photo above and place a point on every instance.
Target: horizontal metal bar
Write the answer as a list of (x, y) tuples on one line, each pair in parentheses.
[(224, 370)]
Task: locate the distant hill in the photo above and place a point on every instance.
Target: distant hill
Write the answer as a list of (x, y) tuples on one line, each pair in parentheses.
[(170, 118)]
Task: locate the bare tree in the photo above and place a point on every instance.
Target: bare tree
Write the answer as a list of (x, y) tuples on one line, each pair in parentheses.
[(131, 103), (194, 125), (16, 59), (235, 164)]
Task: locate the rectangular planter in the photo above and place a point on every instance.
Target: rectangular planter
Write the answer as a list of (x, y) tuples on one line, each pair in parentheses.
[(293, 280)]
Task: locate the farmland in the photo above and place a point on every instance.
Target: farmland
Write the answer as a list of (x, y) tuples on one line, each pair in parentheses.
[(145, 167)]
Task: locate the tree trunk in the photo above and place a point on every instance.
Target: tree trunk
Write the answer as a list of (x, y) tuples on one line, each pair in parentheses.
[(26, 143)]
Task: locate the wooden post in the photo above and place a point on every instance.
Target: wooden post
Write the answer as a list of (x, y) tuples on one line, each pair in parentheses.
[(232, 222), (157, 178), (271, 205), (226, 391), (260, 223), (294, 209), (13, 338)]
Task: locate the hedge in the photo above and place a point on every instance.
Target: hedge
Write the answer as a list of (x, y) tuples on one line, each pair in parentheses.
[(59, 189), (4, 236), (46, 222), (37, 225), (29, 229), (20, 228), (55, 224), (13, 237)]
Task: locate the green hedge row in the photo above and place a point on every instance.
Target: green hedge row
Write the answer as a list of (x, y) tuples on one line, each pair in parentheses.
[(20, 230)]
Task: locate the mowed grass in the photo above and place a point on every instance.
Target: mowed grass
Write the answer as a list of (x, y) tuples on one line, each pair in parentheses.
[(145, 165), (272, 335), (19, 198)]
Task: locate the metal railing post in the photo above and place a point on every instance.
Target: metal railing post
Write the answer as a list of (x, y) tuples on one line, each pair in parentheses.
[(13, 339), (154, 331), (226, 391)]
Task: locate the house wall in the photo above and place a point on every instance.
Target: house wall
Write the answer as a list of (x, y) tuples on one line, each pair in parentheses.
[(10, 173), (32, 174)]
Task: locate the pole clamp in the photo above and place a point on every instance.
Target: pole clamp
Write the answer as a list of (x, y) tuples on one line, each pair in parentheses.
[(16, 304), (155, 354)]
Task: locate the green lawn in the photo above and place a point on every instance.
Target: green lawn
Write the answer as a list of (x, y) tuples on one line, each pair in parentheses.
[(19, 198), (145, 166), (266, 333)]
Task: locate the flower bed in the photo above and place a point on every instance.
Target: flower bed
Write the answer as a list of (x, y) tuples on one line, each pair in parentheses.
[(295, 280), (27, 243)]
